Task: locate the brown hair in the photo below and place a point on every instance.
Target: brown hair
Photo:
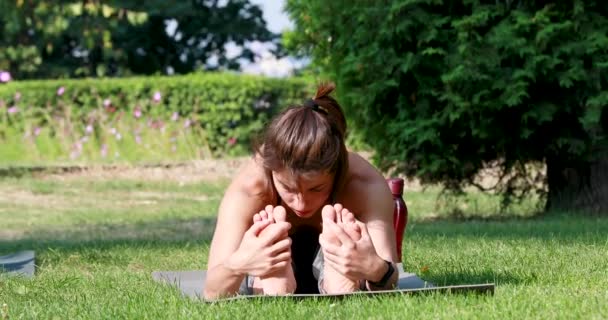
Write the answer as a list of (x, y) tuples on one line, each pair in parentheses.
[(307, 138)]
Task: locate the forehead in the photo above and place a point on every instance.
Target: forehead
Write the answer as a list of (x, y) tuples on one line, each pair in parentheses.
[(302, 179)]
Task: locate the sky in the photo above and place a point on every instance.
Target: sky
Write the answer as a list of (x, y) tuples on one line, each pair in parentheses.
[(265, 63), (277, 21)]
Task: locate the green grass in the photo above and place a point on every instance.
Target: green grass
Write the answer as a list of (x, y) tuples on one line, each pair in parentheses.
[(98, 240)]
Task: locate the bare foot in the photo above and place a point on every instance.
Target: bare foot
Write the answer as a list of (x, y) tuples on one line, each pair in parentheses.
[(346, 220), (333, 281), (282, 281)]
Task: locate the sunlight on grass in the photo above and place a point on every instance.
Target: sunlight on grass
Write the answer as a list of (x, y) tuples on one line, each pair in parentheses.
[(429, 203), (84, 204), (97, 241)]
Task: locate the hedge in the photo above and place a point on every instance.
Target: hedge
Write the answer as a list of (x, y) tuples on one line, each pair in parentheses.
[(229, 109)]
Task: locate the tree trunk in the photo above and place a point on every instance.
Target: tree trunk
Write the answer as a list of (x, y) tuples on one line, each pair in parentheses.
[(582, 188)]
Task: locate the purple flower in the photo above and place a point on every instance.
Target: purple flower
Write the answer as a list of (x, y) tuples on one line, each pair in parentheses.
[(17, 96), (88, 129), (37, 131), (156, 124), (137, 113), (76, 150), (107, 102), (187, 123), (104, 150), (5, 76), (157, 96), (60, 91), (13, 109), (113, 131), (138, 139), (175, 116)]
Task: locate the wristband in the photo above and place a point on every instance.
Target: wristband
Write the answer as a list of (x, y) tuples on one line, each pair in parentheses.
[(385, 278)]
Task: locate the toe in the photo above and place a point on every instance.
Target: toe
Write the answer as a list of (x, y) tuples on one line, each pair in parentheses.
[(257, 218), (347, 216), (269, 210), (263, 215), (338, 207), (328, 213), (279, 214)]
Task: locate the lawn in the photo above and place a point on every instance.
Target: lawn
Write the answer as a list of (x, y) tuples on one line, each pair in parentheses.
[(99, 235)]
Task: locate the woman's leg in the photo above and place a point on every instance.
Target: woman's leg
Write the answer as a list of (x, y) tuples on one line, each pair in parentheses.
[(304, 249), (282, 281), (330, 280)]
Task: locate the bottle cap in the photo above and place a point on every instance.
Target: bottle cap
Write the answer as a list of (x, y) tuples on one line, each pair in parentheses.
[(396, 186)]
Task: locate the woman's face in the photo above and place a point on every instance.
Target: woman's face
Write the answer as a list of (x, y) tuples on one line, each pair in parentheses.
[(305, 194)]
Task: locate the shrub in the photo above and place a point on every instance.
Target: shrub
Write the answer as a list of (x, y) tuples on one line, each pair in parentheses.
[(442, 89), (199, 115)]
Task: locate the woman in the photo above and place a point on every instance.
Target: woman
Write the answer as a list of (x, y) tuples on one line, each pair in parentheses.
[(304, 215)]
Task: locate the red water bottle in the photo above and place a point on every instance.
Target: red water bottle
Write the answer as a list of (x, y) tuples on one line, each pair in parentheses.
[(399, 213)]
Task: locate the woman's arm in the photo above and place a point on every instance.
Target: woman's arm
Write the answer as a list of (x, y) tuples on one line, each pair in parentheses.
[(237, 247), (377, 215), (366, 258), (233, 220)]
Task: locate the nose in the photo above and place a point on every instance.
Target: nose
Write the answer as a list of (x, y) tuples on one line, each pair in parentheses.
[(299, 203)]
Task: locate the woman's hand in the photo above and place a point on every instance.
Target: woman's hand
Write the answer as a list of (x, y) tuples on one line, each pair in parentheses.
[(355, 259), (260, 252)]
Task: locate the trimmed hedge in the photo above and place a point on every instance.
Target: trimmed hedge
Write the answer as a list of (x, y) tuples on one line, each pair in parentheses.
[(230, 109)]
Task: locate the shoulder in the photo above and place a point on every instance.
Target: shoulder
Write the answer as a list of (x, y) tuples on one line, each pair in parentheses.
[(246, 195), (365, 187), (362, 173), (251, 182)]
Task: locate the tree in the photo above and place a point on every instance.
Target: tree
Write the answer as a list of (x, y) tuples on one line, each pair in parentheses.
[(61, 38), (444, 89)]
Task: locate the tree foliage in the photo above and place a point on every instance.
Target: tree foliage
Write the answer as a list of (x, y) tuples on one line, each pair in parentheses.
[(443, 89), (63, 38)]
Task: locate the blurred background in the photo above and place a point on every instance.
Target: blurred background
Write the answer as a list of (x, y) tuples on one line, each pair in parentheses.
[(503, 96)]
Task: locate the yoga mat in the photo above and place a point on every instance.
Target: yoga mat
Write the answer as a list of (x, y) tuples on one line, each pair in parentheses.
[(19, 263), (191, 284)]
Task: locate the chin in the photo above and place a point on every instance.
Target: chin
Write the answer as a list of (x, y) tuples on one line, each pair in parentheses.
[(304, 214)]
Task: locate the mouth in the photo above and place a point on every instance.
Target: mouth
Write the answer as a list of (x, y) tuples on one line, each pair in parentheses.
[(303, 213)]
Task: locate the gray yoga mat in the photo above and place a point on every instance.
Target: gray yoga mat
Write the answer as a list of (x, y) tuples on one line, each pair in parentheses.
[(191, 284), (19, 263)]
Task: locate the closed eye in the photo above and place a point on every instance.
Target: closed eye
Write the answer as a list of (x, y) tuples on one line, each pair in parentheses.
[(286, 188), (318, 189)]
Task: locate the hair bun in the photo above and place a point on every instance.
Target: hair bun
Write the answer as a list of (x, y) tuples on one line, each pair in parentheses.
[(324, 89)]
